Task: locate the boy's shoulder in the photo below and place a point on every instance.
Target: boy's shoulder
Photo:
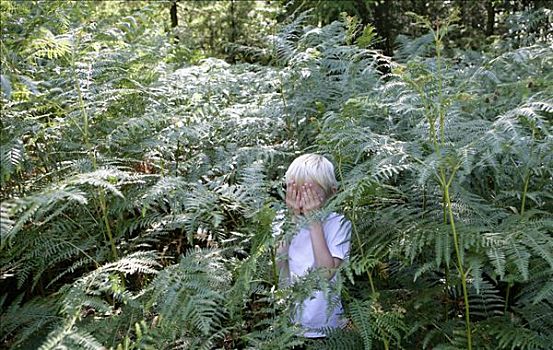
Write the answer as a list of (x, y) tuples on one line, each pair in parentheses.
[(337, 221), (336, 217)]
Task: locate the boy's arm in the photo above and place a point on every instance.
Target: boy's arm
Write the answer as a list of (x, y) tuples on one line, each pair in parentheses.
[(321, 253), (312, 201)]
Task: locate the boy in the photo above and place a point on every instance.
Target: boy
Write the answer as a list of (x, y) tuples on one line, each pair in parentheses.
[(319, 244)]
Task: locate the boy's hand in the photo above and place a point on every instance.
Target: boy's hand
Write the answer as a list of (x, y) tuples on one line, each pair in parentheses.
[(293, 198), (311, 200)]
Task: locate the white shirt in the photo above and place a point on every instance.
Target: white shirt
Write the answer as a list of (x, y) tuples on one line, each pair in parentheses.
[(314, 313)]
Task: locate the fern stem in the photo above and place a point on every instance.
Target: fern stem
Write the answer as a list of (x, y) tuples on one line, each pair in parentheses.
[(426, 103), (441, 114), (444, 208), (507, 298), (527, 178), (444, 182), (524, 191), (91, 153), (460, 267), (423, 201), (84, 113), (106, 223), (274, 267), (447, 281), (177, 155), (354, 228)]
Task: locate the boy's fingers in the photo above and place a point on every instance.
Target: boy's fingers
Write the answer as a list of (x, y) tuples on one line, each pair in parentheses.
[(309, 194), (311, 191), (291, 193), (308, 202), (315, 200)]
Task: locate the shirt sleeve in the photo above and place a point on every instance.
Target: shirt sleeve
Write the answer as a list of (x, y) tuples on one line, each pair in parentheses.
[(337, 232)]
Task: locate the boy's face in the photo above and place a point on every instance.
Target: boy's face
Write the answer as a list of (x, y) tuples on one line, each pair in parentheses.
[(318, 189)]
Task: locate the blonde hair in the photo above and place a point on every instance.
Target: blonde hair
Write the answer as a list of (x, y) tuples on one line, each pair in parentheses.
[(313, 167)]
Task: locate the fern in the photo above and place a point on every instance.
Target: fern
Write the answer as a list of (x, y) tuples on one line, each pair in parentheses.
[(373, 323), (188, 297), (112, 147)]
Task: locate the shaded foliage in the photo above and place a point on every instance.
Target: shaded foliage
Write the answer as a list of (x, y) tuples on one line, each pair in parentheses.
[(139, 193)]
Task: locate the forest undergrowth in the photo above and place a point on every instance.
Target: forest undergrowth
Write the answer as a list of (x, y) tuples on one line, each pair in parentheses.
[(139, 195)]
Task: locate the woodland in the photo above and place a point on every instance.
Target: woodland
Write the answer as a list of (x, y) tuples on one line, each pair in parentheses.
[(143, 149)]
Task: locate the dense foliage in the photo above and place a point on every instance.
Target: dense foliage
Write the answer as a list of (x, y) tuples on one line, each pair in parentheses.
[(141, 181)]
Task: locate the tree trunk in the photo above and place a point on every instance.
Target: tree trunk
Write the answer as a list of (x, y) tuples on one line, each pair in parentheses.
[(383, 24), (174, 20), (465, 14), (173, 13), (491, 17), (232, 37), (233, 30), (363, 12), (420, 6)]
